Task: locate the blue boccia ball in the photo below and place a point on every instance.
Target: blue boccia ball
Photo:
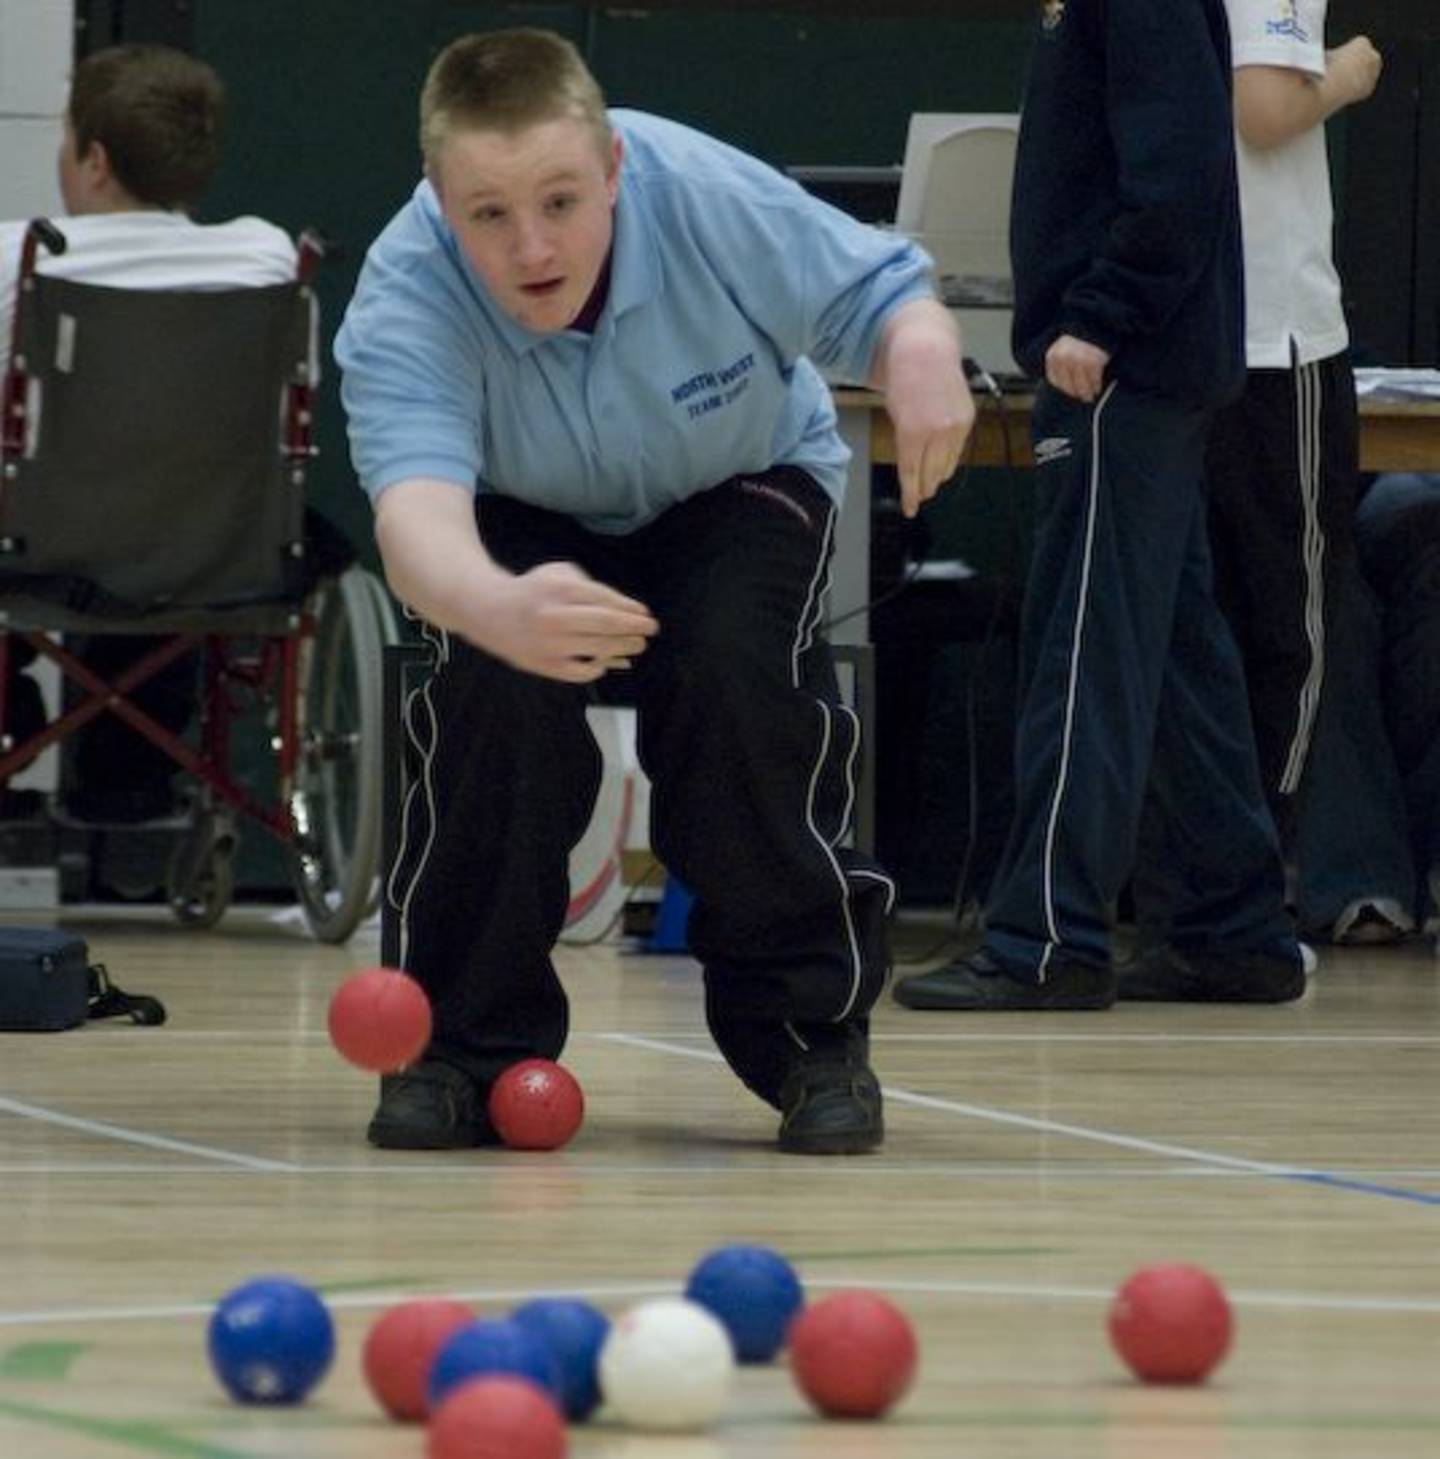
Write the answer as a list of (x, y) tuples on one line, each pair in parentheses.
[(271, 1340), (575, 1332), (482, 1349), (755, 1294)]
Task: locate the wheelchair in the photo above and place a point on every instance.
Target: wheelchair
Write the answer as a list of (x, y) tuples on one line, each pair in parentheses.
[(153, 465)]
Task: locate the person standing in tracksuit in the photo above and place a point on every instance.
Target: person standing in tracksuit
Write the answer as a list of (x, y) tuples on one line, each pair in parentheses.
[(582, 375), (1283, 474), (1129, 306)]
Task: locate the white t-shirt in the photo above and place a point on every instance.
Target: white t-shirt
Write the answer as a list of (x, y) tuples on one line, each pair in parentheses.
[(1291, 288), (151, 250)]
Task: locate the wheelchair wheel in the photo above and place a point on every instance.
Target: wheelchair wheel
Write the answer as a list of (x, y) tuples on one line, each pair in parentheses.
[(210, 892), (384, 609), (389, 633), (335, 804), (200, 882)]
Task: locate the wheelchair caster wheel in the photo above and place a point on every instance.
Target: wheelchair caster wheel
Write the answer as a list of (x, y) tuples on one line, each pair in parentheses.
[(201, 883)]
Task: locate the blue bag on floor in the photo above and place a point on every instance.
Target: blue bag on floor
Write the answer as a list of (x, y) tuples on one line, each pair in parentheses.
[(47, 983)]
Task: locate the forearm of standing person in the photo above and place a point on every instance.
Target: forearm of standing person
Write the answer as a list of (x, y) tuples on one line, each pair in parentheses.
[(1276, 104)]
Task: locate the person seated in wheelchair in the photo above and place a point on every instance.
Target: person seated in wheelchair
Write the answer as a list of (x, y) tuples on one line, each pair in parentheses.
[(582, 373), (140, 146)]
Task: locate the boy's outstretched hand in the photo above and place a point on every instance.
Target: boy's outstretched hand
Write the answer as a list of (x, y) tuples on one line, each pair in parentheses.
[(558, 622)]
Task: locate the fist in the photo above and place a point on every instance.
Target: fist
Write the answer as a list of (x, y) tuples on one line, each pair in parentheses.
[(1356, 66)]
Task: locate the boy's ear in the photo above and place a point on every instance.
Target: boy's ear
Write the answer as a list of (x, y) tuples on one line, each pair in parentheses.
[(96, 163), (612, 171), (98, 158)]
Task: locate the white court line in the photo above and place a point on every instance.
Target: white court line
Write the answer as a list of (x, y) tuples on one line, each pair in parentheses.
[(348, 1300), (1214, 1161), (1005, 1117), (1155, 1038), (1078, 1038), (361, 1301), (889, 1169), (136, 1137), (1289, 1301), (319, 1037)]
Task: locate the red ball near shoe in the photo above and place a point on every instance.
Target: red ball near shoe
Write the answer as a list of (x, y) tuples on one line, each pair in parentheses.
[(536, 1105), (380, 1020)]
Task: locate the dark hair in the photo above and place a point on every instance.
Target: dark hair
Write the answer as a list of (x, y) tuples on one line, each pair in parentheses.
[(157, 113), (506, 80)]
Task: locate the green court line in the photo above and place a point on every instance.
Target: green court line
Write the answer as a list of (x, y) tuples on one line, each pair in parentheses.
[(147, 1438), (376, 1284), (41, 1360), (909, 1253), (303, 1417)]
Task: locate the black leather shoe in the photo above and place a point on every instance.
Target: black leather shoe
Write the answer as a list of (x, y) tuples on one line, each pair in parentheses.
[(978, 983), (831, 1104), (1167, 974), (430, 1106)]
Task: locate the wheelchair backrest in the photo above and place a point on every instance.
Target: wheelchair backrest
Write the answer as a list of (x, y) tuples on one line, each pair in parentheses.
[(157, 466)]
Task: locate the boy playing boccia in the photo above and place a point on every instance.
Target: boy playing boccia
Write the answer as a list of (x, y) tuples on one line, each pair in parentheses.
[(582, 369)]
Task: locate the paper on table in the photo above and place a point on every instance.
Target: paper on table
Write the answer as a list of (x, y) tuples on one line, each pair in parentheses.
[(1386, 383)]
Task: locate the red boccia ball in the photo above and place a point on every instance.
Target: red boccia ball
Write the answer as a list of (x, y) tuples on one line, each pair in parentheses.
[(1171, 1324), (536, 1105), (497, 1418), (853, 1354), (380, 1019), (400, 1347)]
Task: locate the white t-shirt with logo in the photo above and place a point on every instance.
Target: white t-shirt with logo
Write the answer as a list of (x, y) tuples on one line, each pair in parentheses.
[(1291, 287), (151, 250)]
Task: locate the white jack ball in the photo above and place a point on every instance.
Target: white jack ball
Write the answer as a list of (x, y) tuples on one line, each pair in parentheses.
[(667, 1364)]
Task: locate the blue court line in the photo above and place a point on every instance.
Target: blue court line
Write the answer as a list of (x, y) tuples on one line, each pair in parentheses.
[(1203, 1158), (1363, 1187)]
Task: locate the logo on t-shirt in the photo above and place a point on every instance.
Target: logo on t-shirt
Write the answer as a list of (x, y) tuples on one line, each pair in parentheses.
[(709, 390), (1287, 23)]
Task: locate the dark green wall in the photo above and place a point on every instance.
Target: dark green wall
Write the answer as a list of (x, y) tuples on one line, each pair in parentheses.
[(323, 104), (804, 88)]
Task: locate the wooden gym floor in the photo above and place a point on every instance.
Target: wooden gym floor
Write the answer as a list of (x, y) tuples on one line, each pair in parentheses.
[(1033, 1161)]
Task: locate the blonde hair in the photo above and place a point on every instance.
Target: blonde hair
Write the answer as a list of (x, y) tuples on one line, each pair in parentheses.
[(505, 81)]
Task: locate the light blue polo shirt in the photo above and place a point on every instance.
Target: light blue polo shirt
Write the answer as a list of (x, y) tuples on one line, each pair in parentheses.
[(729, 286)]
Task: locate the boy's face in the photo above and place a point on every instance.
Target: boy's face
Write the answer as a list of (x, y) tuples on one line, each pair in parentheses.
[(534, 212)]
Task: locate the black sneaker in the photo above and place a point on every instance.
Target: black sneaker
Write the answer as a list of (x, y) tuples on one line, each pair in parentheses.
[(430, 1106), (978, 983), (1166, 974), (831, 1102), (1372, 922)]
